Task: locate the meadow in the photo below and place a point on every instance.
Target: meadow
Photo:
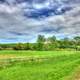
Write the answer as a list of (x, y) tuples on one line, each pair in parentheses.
[(38, 65)]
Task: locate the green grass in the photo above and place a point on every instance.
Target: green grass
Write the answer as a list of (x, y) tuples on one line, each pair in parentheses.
[(37, 53), (43, 65)]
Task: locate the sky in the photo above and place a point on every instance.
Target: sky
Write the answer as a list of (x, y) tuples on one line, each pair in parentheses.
[(23, 20)]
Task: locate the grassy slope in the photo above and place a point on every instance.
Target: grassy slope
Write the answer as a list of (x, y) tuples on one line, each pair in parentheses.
[(57, 65)]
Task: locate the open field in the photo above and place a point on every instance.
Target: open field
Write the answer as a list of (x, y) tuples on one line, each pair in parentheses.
[(38, 65)]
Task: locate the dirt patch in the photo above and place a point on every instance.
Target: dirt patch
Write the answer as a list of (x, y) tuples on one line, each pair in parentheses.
[(10, 57), (7, 56), (75, 75)]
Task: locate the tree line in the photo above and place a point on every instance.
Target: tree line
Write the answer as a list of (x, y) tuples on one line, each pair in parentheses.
[(42, 43)]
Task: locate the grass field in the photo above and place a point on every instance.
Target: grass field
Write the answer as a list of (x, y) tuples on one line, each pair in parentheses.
[(38, 65)]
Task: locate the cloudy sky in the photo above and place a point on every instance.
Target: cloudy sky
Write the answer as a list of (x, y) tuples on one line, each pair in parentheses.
[(23, 20)]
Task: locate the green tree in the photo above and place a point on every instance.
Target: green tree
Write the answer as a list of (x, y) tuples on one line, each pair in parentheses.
[(27, 46), (77, 42), (40, 42), (19, 46), (51, 39), (52, 43), (65, 43)]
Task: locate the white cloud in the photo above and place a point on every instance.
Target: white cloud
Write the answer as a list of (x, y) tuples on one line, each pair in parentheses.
[(14, 25)]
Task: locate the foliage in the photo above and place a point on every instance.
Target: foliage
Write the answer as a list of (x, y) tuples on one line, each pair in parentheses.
[(42, 43)]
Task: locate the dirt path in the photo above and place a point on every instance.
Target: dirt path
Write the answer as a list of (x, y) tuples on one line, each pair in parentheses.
[(7, 56), (12, 58), (75, 75)]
